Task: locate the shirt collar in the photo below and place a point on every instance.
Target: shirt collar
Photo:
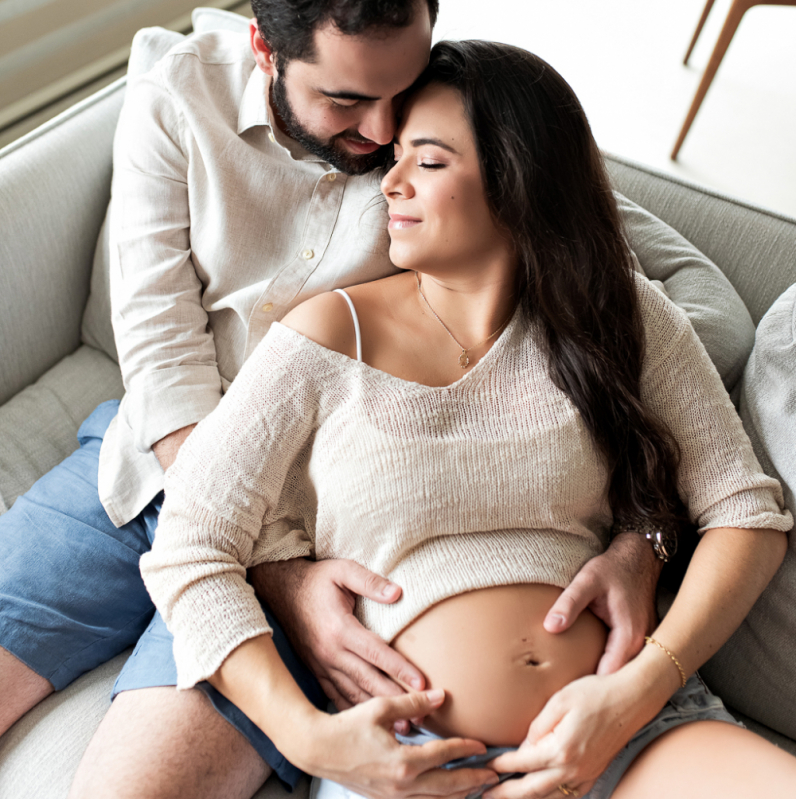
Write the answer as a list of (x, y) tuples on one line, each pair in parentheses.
[(255, 109)]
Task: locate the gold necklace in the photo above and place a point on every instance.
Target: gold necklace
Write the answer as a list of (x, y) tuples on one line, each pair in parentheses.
[(464, 360)]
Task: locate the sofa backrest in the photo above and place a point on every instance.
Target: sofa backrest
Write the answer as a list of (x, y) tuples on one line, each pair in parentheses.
[(755, 248), (54, 186)]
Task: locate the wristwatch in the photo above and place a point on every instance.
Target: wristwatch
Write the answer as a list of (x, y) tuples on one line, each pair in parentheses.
[(663, 538)]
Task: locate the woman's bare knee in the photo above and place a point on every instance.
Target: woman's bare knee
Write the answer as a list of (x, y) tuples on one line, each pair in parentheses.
[(23, 689), (160, 743), (707, 759)]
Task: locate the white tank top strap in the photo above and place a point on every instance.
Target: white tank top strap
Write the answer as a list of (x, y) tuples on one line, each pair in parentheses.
[(356, 321)]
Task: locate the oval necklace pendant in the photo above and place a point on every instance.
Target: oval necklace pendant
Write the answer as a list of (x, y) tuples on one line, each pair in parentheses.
[(464, 361)]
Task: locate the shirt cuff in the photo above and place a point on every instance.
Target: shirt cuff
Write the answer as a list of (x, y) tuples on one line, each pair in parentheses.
[(166, 400)]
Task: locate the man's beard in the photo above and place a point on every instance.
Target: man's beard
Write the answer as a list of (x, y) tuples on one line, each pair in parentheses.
[(330, 150)]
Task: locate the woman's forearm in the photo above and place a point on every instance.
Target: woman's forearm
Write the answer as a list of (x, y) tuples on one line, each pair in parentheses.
[(728, 572), (255, 678)]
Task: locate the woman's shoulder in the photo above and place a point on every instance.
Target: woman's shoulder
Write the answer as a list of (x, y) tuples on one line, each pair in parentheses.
[(327, 320)]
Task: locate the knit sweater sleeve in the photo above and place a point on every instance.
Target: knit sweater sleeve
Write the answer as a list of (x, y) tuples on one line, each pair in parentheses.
[(719, 478), (233, 498)]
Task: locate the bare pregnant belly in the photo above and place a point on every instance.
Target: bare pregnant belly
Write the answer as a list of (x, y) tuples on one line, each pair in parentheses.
[(497, 664)]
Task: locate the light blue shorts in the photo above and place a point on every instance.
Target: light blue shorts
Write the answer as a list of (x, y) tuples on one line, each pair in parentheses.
[(692, 703), (72, 597)]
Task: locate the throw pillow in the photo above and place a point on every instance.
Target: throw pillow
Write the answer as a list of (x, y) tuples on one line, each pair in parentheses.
[(755, 671)]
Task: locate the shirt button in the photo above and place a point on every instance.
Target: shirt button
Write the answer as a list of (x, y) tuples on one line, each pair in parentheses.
[(271, 137), (331, 177), (268, 307), (307, 254)]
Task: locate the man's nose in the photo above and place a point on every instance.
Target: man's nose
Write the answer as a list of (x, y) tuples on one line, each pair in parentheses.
[(379, 123)]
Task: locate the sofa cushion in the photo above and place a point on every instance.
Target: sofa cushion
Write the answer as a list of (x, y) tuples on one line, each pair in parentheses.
[(40, 753), (755, 248), (38, 427), (755, 671)]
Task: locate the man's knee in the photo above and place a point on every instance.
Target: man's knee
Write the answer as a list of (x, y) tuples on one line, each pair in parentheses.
[(161, 743)]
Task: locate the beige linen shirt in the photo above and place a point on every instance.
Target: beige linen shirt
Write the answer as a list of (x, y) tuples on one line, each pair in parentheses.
[(219, 225)]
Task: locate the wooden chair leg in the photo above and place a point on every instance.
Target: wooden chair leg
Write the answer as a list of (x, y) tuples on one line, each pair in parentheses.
[(698, 30), (737, 10)]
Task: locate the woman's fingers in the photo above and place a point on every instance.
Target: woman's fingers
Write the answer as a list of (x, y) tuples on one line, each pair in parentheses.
[(454, 782)]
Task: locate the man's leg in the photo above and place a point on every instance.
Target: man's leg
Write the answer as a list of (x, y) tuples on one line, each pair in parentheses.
[(158, 743), (71, 595), (28, 689)]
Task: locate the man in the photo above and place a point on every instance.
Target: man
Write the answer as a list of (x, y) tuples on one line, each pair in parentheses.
[(242, 186)]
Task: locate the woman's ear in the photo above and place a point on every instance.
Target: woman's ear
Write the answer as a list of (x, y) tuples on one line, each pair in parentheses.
[(263, 54)]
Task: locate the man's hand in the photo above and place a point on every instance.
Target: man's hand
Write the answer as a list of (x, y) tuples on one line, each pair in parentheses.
[(167, 448), (357, 748), (315, 604), (619, 588)]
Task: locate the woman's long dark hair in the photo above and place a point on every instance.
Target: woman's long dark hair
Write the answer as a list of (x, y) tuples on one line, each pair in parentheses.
[(546, 185)]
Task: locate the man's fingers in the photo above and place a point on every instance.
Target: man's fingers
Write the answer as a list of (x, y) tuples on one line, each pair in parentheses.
[(620, 648), (575, 599), (362, 581), (328, 687), (372, 649), (347, 688)]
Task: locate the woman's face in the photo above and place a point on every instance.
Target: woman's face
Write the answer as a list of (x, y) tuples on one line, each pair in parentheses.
[(439, 219)]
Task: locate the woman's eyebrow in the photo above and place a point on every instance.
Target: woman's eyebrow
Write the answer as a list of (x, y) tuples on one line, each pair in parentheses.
[(435, 142)]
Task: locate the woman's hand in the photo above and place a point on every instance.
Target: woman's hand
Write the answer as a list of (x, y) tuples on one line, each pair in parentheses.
[(358, 749), (582, 728)]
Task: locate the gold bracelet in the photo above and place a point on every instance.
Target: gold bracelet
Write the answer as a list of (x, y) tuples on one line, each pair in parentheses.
[(648, 640)]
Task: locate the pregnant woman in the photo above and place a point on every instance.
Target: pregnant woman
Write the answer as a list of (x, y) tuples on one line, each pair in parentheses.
[(473, 428)]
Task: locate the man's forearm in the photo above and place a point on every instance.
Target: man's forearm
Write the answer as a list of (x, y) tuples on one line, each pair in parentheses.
[(167, 448)]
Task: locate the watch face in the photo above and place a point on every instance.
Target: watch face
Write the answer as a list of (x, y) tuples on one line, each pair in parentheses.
[(664, 542)]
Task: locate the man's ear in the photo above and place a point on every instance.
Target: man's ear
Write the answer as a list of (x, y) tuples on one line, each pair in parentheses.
[(263, 54)]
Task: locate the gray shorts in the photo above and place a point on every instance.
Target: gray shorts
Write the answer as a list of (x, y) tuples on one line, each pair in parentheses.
[(692, 703)]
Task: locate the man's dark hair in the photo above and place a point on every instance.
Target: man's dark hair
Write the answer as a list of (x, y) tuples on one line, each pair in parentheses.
[(288, 26)]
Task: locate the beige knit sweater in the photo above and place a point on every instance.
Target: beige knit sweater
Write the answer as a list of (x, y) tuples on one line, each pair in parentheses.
[(492, 480)]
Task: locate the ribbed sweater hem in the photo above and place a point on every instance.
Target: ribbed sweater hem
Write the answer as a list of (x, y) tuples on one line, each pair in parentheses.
[(451, 565)]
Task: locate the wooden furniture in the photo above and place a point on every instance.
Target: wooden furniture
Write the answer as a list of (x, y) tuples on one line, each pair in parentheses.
[(736, 12)]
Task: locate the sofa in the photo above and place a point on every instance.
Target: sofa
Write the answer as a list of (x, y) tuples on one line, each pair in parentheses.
[(57, 362)]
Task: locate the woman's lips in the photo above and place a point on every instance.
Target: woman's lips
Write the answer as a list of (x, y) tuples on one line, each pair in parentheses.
[(361, 147), (401, 222)]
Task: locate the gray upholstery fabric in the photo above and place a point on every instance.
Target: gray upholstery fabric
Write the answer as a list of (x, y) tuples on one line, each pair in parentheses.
[(717, 313), (54, 185), (756, 670), (149, 46), (755, 249), (38, 426), (40, 753)]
